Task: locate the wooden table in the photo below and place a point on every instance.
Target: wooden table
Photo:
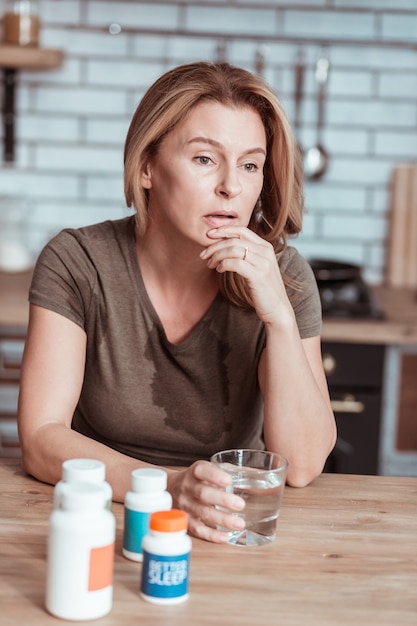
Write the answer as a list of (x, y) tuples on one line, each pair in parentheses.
[(345, 553)]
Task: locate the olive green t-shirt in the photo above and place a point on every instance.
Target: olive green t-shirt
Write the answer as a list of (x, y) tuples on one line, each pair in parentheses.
[(164, 403)]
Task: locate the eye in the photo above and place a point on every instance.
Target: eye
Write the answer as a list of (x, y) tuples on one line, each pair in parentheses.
[(250, 167), (203, 160)]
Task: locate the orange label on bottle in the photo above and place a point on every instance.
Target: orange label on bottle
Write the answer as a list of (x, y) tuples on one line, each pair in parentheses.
[(101, 567)]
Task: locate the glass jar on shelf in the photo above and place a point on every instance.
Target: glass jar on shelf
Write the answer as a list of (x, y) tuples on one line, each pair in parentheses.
[(21, 23), (15, 250)]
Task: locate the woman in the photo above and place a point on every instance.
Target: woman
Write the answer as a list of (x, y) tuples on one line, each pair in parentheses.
[(192, 326)]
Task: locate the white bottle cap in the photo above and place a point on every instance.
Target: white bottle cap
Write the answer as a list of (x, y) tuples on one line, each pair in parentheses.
[(147, 480), (83, 470), (81, 497)]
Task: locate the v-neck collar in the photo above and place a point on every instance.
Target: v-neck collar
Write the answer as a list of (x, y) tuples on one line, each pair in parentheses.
[(146, 301)]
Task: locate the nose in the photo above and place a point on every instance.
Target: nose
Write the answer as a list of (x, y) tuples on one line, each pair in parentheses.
[(229, 184)]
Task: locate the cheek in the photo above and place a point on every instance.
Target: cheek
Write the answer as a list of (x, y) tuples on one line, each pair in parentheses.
[(175, 178), (254, 195)]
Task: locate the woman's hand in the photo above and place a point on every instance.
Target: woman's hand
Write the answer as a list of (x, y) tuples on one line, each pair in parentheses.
[(198, 490), (238, 249)]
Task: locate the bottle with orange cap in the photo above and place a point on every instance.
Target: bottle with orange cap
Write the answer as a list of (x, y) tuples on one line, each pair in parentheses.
[(166, 558)]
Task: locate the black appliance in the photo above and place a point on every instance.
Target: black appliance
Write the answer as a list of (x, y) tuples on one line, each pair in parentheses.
[(354, 374), (354, 371), (343, 292)]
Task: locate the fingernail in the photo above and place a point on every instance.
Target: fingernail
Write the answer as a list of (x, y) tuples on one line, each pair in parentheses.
[(239, 523), (224, 481), (238, 503), (212, 231), (203, 253)]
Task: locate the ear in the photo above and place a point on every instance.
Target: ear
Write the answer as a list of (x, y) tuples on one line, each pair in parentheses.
[(146, 177)]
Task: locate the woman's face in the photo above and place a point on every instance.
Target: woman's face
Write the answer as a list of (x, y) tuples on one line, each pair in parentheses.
[(208, 172)]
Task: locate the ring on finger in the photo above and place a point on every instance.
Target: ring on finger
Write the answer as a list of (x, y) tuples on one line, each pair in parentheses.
[(245, 253)]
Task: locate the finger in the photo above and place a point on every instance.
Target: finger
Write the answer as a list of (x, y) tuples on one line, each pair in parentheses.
[(207, 472), (234, 232), (220, 517), (214, 497), (237, 247), (204, 487), (249, 261), (238, 253), (209, 506), (200, 530), (220, 245), (214, 523)]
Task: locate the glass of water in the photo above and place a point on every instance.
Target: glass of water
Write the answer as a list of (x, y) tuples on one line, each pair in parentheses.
[(258, 477)]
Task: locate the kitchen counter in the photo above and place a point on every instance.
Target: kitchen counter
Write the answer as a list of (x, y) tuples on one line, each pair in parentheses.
[(399, 326), (399, 306), (345, 554)]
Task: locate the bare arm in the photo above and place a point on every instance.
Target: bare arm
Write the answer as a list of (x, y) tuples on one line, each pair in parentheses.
[(298, 421), (52, 377)]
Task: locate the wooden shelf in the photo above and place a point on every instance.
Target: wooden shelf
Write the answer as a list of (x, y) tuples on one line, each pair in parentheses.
[(30, 58)]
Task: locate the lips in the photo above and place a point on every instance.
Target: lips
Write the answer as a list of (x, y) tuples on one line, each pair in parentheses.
[(221, 218)]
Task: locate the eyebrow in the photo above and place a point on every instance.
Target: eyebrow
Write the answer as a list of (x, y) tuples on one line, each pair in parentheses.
[(217, 144)]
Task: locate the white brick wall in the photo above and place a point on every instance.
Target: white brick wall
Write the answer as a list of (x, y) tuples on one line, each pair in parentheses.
[(72, 121)]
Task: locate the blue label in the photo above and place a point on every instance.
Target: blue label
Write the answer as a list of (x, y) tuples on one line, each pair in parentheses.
[(165, 576), (135, 528)]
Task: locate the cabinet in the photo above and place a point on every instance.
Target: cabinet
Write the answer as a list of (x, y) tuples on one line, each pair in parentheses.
[(11, 351), (355, 378)]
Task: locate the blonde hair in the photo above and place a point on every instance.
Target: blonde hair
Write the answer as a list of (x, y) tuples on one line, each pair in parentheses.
[(170, 99)]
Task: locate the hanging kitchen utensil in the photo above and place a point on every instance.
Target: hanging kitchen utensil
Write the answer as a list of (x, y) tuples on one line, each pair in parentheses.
[(298, 96), (316, 158), (259, 62), (221, 51)]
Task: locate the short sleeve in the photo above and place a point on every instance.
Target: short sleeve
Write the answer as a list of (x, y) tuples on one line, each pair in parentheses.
[(64, 278), (304, 297)]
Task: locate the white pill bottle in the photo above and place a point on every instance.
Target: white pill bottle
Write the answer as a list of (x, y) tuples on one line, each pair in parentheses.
[(83, 471), (148, 494), (79, 584), (166, 558)]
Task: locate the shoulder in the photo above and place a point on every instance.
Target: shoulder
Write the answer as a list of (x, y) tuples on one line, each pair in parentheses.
[(302, 291), (78, 262), (294, 265), (107, 231), (93, 245)]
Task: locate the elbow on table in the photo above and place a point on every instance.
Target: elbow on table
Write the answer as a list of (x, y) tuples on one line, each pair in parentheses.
[(302, 476), (27, 461), (32, 459), (299, 481), (41, 450)]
